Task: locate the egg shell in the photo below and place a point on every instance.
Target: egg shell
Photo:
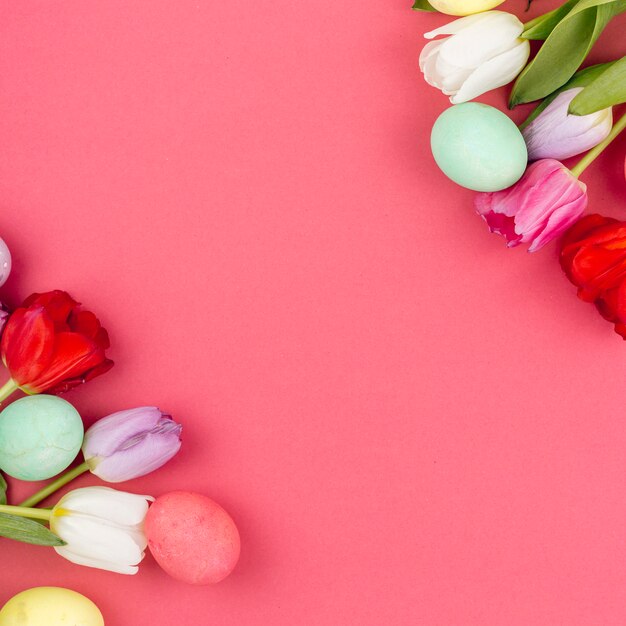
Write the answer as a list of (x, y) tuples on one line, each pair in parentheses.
[(39, 437), (192, 537), (50, 606), (479, 147), (464, 7)]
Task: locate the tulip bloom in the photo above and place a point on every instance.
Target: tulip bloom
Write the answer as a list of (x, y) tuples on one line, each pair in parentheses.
[(555, 134), (464, 7), (102, 527), (593, 257), (483, 52), (131, 443), (50, 344), (541, 206)]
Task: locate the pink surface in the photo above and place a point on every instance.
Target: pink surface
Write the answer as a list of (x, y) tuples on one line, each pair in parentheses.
[(409, 423)]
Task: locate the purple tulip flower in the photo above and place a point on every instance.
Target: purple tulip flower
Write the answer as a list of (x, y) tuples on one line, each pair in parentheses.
[(131, 443), (556, 134)]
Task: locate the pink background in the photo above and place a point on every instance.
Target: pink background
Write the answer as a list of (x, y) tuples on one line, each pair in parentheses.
[(409, 423)]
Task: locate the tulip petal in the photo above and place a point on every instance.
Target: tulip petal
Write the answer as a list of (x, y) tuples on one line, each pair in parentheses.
[(28, 343), (58, 305), (116, 506), (495, 73), (88, 561), (455, 26)]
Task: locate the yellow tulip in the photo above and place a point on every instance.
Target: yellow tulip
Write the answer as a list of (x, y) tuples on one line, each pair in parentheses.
[(464, 7)]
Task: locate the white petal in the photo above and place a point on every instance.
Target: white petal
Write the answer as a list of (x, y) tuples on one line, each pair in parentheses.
[(482, 41), (118, 568), (90, 538), (428, 51), (495, 73), (456, 25), (119, 507)]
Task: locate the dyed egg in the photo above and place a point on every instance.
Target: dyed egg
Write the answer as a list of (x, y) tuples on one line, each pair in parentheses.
[(478, 147), (192, 538), (39, 437), (50, 606), (464, 7), (5, 262)]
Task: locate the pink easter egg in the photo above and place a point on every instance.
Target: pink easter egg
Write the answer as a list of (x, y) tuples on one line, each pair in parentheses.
[(192, 537)]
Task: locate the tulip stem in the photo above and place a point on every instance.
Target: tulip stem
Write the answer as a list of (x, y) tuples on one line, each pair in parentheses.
[(22, 511), (594, 153), (55, 485), (7, 389)]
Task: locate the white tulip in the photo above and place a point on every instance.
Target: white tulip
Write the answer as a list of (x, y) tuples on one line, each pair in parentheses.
[(102, 528), (483, 52)]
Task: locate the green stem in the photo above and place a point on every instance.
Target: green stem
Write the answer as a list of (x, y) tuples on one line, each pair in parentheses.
[(594, 153), (55, 485), (21, 511), (7, 389)]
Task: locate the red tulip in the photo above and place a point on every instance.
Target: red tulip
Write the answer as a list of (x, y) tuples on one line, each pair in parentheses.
[(50, 344), (593, 256)]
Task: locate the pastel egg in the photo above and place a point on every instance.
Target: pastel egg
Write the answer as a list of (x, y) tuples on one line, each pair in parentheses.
[(478, 147), (464, 7), (39, 437), (192, 538), (50, 606), (5, 262)]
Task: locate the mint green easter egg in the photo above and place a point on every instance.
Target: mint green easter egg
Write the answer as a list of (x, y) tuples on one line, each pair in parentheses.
[(39, 437), (478, 147)]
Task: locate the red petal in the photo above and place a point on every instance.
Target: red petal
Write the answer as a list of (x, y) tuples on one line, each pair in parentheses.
[(70, 383), (58, 304), (27, 344), (73, 356)]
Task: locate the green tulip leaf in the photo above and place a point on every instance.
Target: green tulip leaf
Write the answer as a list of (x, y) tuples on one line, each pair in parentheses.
[(565, 49), (580, 79), (607, 90), (27, 531), (3, 490), (542, 26), (423, 5)]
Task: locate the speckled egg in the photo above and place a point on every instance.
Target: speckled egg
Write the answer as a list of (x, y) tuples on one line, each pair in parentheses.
[(192, 537), (50, 606), (478, 147), (39, 437), (5, 262)]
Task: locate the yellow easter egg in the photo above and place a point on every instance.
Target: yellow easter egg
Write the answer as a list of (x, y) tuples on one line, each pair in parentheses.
[(50, 606), (464, 7)]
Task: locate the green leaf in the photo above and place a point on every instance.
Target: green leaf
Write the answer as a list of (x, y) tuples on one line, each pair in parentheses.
[(423, 5), (3, 490), (542, 26), (607, 90), (580, 79), (27, 531), (565, 49)]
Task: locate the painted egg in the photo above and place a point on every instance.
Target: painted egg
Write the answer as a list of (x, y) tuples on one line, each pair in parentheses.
[(5, 262), (50, 606), (192, 538), (464, 7), (479, 147), (39, 437)]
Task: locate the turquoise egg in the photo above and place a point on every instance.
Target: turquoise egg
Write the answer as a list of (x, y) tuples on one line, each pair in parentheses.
[(39, 437), (478, 147)]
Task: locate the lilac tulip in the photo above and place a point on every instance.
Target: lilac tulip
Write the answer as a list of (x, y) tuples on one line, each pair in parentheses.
[(556, 134), (540, 207), (131, 443)]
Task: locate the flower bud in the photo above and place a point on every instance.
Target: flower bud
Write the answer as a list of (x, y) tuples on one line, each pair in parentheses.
[(556, 134), (102, 528), (131, 443), (483, 52), (541, 206)]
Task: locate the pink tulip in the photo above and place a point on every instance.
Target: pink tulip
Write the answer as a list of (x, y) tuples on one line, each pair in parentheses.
[(541, 206), (555, 134), (131, 443)]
